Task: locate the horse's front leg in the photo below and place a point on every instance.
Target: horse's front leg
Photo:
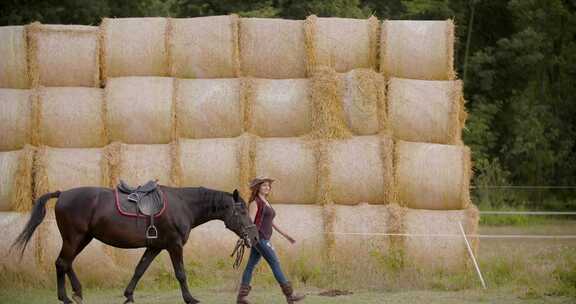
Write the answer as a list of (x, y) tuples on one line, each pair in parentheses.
[(149, 255), (178, 263)]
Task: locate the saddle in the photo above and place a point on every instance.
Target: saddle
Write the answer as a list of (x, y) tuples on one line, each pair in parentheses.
[(146, 200)]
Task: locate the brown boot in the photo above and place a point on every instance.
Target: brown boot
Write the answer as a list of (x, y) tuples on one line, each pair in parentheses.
[(289, 293), (242, 294)]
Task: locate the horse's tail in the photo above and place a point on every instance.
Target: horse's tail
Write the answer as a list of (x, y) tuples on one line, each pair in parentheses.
[(38, 214)]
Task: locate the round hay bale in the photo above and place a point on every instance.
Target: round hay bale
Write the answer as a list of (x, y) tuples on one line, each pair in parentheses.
[(64, 109), (60, 169), (11, 224), (9, 162), (304, 223), (342, 43), (281, 108), (291, 162), (209, 108), (204, 47), (13, 58), (141, 163), (360, 170), (432, 176), (272, 48), (64, 55), (211, 163), (16, 179), (437, 244), (364, 101), (418, 49), (15, 118), (139, 109), (134, 47), (426, 110)]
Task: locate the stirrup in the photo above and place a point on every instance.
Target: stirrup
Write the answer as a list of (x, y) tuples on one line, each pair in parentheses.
[(152, 232)]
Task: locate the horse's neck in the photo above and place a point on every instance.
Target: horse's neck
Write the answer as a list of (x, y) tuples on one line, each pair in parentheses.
[(208, 206)]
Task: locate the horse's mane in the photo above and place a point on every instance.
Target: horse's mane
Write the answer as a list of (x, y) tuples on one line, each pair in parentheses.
[(214, 198)]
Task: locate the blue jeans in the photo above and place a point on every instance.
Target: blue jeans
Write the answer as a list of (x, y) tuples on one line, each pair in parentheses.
[(263, 249)]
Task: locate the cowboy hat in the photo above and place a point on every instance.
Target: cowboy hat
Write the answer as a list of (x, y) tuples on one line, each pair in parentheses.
[(259, 180)]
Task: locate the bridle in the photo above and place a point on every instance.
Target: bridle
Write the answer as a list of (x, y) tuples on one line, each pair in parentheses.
[(234, 222)]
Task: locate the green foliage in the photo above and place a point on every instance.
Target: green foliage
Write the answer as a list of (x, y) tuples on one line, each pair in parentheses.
[(326, 8), (264, 11), (392, 261), (428, 9), (567, 279), (305, 271)]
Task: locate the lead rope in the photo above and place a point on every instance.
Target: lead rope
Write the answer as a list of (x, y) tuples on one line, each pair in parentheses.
[(239, 252)]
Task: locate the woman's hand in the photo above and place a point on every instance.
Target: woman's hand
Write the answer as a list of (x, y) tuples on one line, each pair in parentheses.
[(291, 240), (284, 234)]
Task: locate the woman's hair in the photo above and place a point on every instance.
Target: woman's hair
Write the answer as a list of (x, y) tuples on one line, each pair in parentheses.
[(254, 194)]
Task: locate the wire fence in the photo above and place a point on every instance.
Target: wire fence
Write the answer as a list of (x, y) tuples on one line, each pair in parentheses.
[(466, 237), (480, 236), (523, 187)]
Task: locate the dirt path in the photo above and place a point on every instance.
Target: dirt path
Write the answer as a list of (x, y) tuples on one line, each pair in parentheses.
[(273, 296)]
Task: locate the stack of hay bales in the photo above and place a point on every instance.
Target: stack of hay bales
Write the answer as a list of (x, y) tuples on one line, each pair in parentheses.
[(359, 122), (432, 167), (50, 97)]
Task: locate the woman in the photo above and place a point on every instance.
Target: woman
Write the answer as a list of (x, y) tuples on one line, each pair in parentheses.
[(262, 215)]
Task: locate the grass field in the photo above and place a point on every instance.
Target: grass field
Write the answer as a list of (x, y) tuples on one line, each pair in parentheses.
[(516, 271)]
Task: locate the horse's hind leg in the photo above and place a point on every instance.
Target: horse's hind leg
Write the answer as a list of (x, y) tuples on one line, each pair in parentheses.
[(69, 251), (63, 266), (76, 286), (145, 261)]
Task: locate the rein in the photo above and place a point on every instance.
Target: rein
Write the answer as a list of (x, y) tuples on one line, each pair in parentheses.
[(239, 252)]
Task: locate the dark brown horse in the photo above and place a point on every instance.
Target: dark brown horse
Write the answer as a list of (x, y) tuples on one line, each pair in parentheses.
[(90, 212)]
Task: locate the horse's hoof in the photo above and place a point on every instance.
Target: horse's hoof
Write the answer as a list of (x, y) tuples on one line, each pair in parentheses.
[(65, 301), (77, 299)]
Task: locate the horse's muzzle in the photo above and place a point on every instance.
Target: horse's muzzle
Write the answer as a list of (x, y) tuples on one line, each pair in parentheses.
[(251, 235)]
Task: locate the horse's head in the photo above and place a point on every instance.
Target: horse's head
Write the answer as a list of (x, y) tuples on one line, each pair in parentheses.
[(239, 221)]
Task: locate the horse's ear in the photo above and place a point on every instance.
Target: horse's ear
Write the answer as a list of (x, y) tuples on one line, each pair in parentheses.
[(235, 195)]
